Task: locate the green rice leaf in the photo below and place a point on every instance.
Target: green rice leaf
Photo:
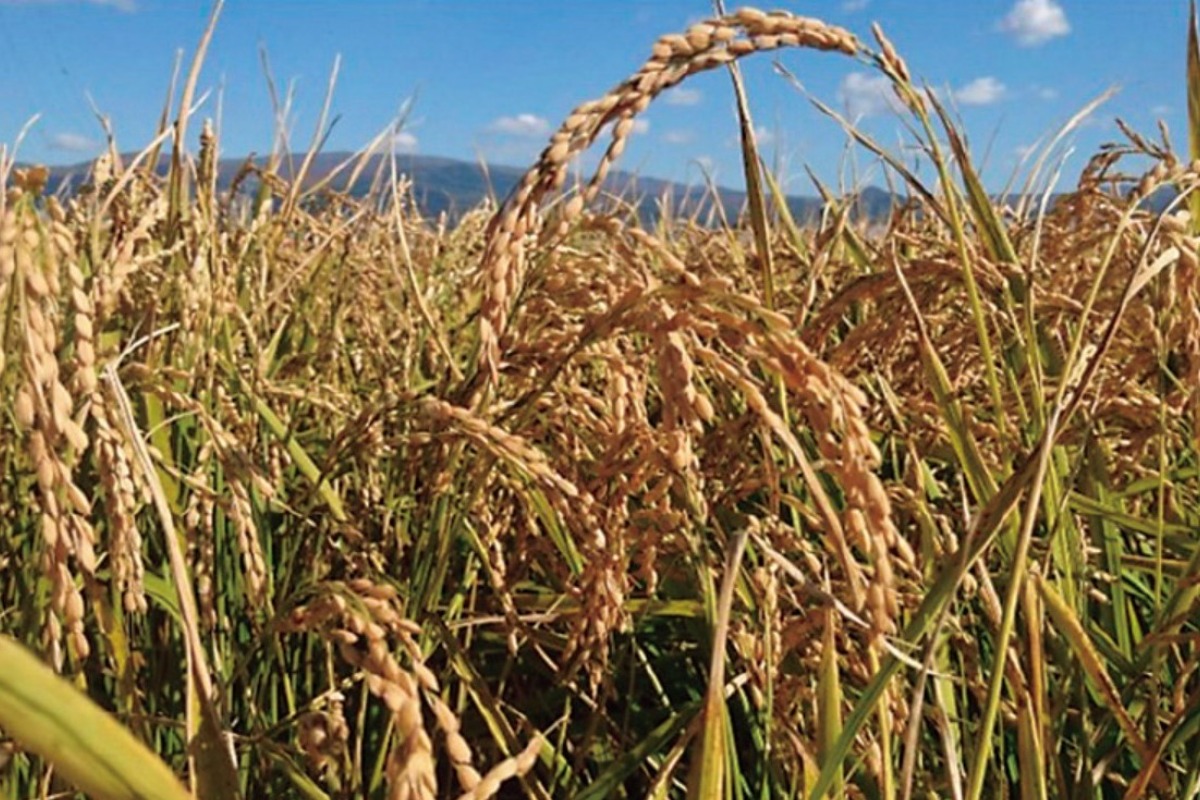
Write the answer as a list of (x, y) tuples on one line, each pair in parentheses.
[(52, 718)]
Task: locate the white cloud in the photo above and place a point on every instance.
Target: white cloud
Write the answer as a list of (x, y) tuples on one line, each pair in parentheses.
[(851, 6), (1161, 110), (678, 137), (980, 92), (128, 6), (763, 137), (73, 143), (1035, 22), (405, 142), (641, 125), (1045, 93), (520, 125), (682, 96), (864, 95), (513, 151)]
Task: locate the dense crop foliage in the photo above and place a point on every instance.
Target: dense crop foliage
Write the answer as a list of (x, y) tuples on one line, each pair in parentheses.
[(317, 497)]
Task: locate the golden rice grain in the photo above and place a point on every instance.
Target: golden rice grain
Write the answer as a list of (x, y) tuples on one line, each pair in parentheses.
[(686, 54)]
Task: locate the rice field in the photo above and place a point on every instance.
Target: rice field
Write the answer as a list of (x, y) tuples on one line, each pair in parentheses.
[(305, 495)]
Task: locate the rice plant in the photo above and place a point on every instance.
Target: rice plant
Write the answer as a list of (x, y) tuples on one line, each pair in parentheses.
[(308, 495)]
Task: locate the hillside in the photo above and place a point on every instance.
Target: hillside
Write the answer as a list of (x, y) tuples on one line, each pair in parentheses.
[(454, 186)]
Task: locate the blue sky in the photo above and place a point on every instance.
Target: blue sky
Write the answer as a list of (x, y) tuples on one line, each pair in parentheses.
[(492, 79)]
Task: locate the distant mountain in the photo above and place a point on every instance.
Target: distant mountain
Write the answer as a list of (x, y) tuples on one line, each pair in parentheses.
[(452, 186)]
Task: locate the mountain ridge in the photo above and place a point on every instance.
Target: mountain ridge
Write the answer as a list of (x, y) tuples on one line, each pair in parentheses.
[(452, 186)]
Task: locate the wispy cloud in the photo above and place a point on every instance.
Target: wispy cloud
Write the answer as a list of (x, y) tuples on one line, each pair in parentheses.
[(641, 125), (980, 92), (851, 6), (405, 142), (513, 151), (128, 6), (682, 96), (1045, 92), (526, 125), (1024, 151), (678, 137), (1035, 22), (73, 143), (1161, 110), (764, 136), (865, 95)]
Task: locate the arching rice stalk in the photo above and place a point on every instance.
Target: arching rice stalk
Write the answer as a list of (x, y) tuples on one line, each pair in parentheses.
[(675, 57)]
